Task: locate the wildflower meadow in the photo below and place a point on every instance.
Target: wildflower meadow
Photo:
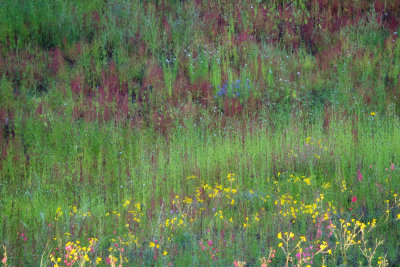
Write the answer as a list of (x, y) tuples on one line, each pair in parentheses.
[(199, 133)]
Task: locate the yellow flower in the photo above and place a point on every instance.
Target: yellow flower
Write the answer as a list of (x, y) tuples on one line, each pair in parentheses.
[(152, 244), (165, 253), (280, 235), (280, 245), (98, 260), (302, 238), (188, 200), (373, 113)]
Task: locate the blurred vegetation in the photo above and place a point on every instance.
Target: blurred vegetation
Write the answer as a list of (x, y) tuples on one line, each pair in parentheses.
[(104, 101)]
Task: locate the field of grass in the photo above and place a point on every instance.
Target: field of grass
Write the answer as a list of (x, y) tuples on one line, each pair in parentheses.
[(199, 133)]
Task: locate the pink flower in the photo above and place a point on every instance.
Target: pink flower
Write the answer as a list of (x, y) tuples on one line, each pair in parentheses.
[(210, 243), (170, 264), (114, 232), (235, 263), (392, 166), (354, 199), (359, 175)]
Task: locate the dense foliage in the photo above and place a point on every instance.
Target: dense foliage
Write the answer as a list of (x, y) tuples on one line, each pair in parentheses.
[(159, 133)]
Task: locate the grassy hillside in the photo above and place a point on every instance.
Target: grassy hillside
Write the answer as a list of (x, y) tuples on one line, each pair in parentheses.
[(199, 133)]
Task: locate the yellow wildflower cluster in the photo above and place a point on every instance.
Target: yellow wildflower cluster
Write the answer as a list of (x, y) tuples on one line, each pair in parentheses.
[(343, 187), (218, 191), (74, 211), (154, 245), (177, 221), (75, 253), (188, 200), (136, 214), (326, 185), (59, 213), (296, 179), (231, 177)]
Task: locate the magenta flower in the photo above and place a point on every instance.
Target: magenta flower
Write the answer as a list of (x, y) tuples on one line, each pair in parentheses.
[(359, 175), (354, 199)]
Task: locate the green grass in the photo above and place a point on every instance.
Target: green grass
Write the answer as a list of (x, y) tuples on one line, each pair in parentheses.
[(97, 167), (158, 103)]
